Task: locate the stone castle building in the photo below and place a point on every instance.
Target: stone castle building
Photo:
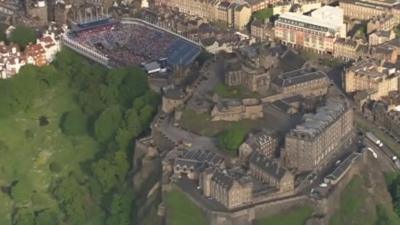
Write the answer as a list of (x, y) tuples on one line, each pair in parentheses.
[(311, 144), (255, 80), (172, 98), (233, 110), (304, 82), (231, 192), (262, 141), (271, 172), (192, 162), (251, 68)]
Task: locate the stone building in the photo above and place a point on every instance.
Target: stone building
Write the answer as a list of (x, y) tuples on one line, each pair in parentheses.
[(388, 51), (262, 30), (172, 98), (366, 9), (233, 14), (192, 162), (380, 36), (271, 172), (254, 79), (256, 5), (349, 49), (250, 67), (391, 121), (371, 75), (311, 144), (36, 55), (304, 82), (37, 10), (316, 32), (230, 191), (385, 113), (233, 110), (299, 6), (382, 23), (263, 141), (61, 12)]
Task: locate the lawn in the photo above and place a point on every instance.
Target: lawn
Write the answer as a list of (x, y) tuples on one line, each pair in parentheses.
[(295, 216), (263, 14), (200, 123), (31, 148), (182, 211), (366, 126)]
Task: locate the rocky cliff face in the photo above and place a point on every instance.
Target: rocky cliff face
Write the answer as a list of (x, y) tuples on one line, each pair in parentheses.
[(147, 183), (364, 199)]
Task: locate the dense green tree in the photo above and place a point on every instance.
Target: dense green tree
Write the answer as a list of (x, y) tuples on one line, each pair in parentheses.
[(111, 173), (5, 209), (76, 200), (3, 148), (133, 122), (107, 123), (23, 35), (74, 123), (105, 172), (232, 138), (90, 102), (120, 210), (122, 165), (148, 98), (115, 106), (21, 192), (115, 77), (123, 138), (134, 85), (24, 216), (146, 114), (46, 217)]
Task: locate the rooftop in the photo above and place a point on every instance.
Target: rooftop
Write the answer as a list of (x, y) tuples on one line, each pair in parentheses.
[(198, 159), (298, 76), (373, 69), (272, 167), (319, 20), (314, 124), (374, 3), (259, 139)]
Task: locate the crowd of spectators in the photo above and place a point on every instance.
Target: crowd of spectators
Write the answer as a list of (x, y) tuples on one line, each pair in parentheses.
[(126, 44)]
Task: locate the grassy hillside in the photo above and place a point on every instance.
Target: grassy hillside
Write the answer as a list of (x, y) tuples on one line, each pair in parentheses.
[(365, 201), (295, 216), (182, 211)]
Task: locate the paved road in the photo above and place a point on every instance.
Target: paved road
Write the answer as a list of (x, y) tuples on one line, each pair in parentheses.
[(336, 75), (384, 156)]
